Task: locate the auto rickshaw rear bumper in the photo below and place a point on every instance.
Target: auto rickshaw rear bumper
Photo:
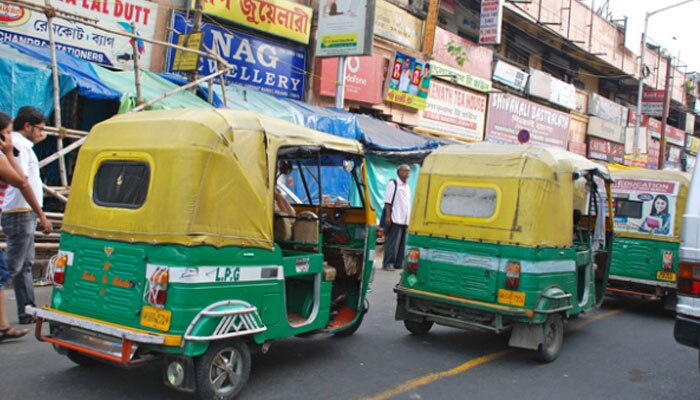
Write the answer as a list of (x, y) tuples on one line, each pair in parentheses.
[(98, 339), (418, 304)]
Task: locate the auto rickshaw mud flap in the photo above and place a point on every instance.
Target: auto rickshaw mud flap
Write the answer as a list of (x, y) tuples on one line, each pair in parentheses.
[(222, 320), (530, 336)]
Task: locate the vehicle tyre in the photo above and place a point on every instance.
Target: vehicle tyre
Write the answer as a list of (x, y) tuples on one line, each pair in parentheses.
[(355, 326), (223, 371), (81, 359), (418, 328), (553, 338)]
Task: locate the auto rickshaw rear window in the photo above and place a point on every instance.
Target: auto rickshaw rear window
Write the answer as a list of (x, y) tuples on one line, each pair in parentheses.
[(466, 201), (121, 184)]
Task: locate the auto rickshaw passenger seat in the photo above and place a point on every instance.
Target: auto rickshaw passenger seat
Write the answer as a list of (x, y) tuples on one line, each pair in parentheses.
[(305, 228)]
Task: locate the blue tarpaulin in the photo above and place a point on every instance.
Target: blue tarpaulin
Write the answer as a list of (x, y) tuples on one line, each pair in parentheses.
[(89, 84), (380, 136), (330, 120), (27, 81)]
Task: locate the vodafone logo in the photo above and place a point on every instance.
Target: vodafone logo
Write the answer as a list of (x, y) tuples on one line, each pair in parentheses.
[(352, 67), (12, 15)]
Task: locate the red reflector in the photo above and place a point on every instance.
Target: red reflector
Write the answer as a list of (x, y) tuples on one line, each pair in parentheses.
[(688, 278), (512, 274)]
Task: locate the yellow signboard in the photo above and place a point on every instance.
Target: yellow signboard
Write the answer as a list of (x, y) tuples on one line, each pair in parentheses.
[(693, 144), (184, 60), (277, 17)]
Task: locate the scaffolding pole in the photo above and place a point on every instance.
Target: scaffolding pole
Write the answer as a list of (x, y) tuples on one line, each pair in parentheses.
[(50, 14)]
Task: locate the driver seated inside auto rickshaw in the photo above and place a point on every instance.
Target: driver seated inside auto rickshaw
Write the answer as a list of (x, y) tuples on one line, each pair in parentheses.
[(284, 217)]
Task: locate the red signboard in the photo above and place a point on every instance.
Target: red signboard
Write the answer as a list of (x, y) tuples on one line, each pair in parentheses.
[(675, 136), (462, 54), (363, 78), (601, 149), (510, 114), (578, 148), (653, 156), (653, 126)]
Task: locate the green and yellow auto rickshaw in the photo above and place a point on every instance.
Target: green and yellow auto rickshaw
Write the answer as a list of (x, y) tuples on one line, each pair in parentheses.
[(506, 237), (649, 207), (194, 236)]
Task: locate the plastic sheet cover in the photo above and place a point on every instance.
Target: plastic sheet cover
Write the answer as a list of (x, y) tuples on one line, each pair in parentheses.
[(152, 86), (378, 135), (89, 84), (27, 81)]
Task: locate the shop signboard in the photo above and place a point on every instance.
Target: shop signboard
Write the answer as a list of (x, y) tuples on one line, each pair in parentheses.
[(363, 78), (601, 149), (461, 54), (454, 111), (409, 81), (491, 21), (545, 86), (603, 129), (689, 123), (393, 23), (21, 25), (693, 144), (510, 75), (345, 31), (509, 115), (607, 109), (258, 63), (675, 136), (282, 18), (653, 102)]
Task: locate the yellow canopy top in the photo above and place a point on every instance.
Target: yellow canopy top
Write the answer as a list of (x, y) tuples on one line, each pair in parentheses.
[(680, 178), (211, 176), (516, 194)]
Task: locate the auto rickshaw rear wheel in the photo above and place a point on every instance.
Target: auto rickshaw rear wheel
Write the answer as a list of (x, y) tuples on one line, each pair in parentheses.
[(223, 371), (418, 328), (552, 338)]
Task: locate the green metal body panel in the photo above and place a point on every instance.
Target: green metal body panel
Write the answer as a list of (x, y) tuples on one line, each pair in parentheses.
[(637, 261), (468, 275), (107, 279)]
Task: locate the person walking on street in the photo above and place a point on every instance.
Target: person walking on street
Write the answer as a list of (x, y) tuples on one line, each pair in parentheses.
[(18, 219), (10, 173), (397, 210)]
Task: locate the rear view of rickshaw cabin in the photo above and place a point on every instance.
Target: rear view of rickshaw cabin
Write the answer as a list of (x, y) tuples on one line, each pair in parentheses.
[(168, 247), (649, 207), (492, 242)]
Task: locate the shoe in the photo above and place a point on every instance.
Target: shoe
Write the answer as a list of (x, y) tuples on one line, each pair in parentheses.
[(12, 333), (28, 320)]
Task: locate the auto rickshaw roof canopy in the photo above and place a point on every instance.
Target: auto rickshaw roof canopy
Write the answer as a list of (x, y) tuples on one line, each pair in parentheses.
[(212, 176), (515, 194), (680, 178)]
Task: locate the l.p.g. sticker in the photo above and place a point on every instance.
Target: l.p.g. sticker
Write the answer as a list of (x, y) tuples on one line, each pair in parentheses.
[(302, 265)]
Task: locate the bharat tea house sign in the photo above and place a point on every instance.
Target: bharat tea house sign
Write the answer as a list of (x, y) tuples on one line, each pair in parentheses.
[(491, 21), (262, 64), (277, 17), (345, 28), (20, 25), (453, 111), (409, 82)]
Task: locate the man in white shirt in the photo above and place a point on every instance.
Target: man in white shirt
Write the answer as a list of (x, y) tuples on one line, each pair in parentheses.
[(397, 201), (18, 220), (405, 77)]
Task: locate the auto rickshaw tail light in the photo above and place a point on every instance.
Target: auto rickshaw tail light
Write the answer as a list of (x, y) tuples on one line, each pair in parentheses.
[(689, 278), (57, 269), (412, 261), (512, 274), (158, 290)]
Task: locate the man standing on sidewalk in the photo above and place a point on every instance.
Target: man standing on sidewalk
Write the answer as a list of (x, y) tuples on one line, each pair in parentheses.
[(397, 201), (18, 220)]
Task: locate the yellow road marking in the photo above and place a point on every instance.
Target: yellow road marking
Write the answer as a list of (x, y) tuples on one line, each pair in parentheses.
[(424, 380), (432, 377)]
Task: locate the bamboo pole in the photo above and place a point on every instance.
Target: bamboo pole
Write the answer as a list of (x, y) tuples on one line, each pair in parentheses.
[(55, 193), (55, 156), (177, 90), (50, 13), (223, 88), (137, 69)]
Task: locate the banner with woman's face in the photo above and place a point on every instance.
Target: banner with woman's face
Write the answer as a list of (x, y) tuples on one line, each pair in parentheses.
[(645, 205)]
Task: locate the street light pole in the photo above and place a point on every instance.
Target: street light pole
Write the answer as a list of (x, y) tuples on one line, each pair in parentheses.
[(640, 89)]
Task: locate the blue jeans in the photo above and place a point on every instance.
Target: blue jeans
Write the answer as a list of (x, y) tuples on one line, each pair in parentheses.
[(395, 246), (19, 230), (4, 272)]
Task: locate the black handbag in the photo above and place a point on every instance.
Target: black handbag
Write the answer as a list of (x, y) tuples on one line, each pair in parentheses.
[(382, 219)]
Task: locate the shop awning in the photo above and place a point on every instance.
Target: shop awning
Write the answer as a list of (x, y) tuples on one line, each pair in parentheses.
[(88, 83), (380, 136), (27, 81)]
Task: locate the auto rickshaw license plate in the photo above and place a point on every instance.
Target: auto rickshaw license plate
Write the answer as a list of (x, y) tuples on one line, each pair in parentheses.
[(155, 318), (511, 297), (666, 276)]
